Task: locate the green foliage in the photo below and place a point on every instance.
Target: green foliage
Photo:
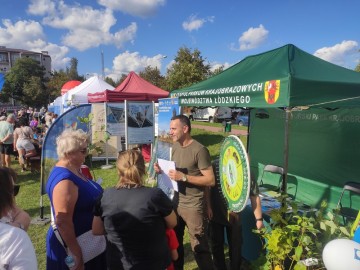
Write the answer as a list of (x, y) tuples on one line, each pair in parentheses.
[(217, 71), (357, 68), (25, 74), (110, 81), (72, 71), (119, 81), (189, 68), (93, 148), (60, 77), (295, 235), (35, 92), (56, 82), (153, 76)]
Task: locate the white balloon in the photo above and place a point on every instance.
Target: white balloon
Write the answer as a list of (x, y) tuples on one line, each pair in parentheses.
[(342, 254)]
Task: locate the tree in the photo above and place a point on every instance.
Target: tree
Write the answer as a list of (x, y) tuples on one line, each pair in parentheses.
[(152, 75), (122, 78), (22, 79), (35, 93), (72, 70), (217, 71), (189, 68), (59, 78), (56, 82), (110, 81), (357, 68)]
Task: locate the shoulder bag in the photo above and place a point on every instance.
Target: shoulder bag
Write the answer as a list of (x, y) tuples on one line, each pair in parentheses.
[(91, 245)]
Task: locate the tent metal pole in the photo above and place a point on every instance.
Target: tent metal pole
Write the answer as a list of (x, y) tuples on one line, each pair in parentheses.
[(106, 138), (286, 149)]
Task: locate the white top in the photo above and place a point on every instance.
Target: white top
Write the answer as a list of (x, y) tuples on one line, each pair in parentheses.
[(16, 250)]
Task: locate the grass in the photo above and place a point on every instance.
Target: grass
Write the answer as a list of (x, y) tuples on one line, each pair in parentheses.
[(29, 194)]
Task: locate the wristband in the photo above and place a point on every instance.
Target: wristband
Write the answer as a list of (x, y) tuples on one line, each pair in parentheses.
[(259, 219)]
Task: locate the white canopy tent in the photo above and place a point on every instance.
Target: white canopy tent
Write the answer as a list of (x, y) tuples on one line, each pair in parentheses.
[(78, 95)]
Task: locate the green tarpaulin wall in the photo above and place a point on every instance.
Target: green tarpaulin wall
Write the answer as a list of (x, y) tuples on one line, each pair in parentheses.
[(321, 155), (323, 151)]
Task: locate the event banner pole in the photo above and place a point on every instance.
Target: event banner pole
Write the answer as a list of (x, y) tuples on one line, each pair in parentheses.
[(126, 125)]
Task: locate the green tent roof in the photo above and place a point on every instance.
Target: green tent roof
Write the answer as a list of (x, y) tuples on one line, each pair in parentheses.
[(283, 77)]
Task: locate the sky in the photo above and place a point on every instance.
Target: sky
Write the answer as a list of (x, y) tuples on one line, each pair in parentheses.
[(115, 37)]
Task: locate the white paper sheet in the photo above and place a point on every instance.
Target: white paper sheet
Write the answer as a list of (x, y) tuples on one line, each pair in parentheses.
[(166, 166)]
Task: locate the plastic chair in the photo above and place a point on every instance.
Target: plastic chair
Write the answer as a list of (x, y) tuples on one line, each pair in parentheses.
[(348, 212), (273, 169)]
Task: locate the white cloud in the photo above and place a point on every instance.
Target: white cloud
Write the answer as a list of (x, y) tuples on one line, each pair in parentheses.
[(58, 56), (41, 7), (215, 65), (94, 38), (126, 62), (193, 23), (141, 8), (20, 33), (87, 27), (252, 38), (29, 35), (338, 53)]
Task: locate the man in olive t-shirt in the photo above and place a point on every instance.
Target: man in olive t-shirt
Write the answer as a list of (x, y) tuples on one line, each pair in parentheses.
[(193, 173)]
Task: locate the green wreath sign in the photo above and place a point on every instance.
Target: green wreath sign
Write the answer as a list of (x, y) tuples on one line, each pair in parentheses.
[(234, 173)]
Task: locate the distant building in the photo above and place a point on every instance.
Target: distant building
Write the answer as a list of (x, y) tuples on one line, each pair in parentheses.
[(9, 56)]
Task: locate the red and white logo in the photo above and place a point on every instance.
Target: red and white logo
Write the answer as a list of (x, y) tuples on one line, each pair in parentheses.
[(272, 91)]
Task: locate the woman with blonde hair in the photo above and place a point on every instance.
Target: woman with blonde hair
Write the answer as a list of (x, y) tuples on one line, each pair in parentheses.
[(72, 197), (134, 218)]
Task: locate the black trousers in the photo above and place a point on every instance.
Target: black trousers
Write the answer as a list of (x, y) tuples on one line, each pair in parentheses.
[(217, 242)]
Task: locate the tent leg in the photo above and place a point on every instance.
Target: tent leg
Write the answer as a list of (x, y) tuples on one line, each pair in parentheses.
[(107, 165), (286, 149)]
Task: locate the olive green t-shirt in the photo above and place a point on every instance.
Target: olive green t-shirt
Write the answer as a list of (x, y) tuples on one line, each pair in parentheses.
[(190, 160)]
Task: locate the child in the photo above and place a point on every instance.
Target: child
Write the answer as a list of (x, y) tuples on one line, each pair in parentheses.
[(173, 245)]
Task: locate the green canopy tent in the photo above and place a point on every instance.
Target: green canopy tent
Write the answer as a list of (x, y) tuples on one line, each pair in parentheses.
[(296, 82), (284, 77)]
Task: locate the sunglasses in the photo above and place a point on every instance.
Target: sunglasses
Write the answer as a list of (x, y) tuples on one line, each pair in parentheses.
[(16, 189)]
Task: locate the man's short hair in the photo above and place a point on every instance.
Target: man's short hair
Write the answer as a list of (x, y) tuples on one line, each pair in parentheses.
[(11, 116), (183, 119)]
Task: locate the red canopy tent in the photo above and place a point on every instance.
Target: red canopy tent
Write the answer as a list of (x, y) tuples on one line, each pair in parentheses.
[(68, 86), (132, 88)]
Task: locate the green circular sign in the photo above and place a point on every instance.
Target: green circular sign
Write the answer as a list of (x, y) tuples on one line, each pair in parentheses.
[(234, 173)]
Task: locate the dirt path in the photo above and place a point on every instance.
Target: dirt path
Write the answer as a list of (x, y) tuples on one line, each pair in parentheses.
[(220, 129)]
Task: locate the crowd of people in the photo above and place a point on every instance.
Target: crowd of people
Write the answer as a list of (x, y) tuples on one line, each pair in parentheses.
[(129, 226), (22, 133)]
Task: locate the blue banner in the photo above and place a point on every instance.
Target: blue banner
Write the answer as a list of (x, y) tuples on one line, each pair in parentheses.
[(2, 81)]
